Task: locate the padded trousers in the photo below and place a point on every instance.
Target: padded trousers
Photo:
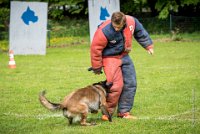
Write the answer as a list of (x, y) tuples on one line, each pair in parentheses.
[(121, 72)]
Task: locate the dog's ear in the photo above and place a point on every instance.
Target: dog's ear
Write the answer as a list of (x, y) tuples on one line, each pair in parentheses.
[(101, 83), (108, 85)]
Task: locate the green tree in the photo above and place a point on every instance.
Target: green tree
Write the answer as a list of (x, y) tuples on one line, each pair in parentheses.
[(4, 14), (60, 8), (132, 6), (164, 7)]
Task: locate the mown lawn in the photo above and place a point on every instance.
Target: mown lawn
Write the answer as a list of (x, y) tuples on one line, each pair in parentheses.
[(167, 99)]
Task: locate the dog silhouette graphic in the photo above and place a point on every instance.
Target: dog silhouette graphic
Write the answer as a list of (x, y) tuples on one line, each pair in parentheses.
[(29, 16), (104, 13)]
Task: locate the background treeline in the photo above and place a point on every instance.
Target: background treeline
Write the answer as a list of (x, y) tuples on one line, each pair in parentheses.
[(70, 17)]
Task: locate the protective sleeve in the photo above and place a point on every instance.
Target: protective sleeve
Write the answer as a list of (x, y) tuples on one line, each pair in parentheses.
[(99, 42), (141, 35)]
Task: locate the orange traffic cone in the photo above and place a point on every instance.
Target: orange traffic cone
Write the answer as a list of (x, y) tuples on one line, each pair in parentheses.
[(11, 63)]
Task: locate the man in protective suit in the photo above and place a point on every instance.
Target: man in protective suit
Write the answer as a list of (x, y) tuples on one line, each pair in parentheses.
[(109, 51)]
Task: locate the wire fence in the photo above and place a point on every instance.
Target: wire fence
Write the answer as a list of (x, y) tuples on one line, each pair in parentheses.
[(188, 24), (181, 23)]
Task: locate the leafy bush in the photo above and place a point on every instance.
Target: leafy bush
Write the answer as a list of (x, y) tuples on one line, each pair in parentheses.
[(68, 27), (3, 46), (176, 35), (4, 22)]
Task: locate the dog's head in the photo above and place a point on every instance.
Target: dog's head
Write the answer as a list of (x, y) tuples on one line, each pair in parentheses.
[(106, 85)]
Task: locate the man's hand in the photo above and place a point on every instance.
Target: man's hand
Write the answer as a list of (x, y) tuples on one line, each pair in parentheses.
[(150, 51)]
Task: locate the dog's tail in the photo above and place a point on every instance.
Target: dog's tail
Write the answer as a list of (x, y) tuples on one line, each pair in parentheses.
[(47, 104)]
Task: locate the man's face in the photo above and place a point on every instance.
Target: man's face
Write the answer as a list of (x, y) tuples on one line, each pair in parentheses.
[(117, 27)]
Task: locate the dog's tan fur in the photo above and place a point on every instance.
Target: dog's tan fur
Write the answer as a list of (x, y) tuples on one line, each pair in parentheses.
[(80, 102)]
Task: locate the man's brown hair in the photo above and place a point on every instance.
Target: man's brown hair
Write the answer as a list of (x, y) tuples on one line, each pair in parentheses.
[(118, 18)]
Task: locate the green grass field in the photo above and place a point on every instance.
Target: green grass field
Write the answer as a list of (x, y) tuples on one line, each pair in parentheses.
[(167, 99)]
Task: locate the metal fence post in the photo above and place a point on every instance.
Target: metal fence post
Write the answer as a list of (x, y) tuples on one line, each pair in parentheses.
[(49, 36), (170, 21)]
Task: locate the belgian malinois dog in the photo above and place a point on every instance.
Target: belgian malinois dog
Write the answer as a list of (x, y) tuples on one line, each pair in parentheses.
[(80, 102)]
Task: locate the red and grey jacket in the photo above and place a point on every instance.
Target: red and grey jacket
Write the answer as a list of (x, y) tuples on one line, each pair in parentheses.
[(108, 42)]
